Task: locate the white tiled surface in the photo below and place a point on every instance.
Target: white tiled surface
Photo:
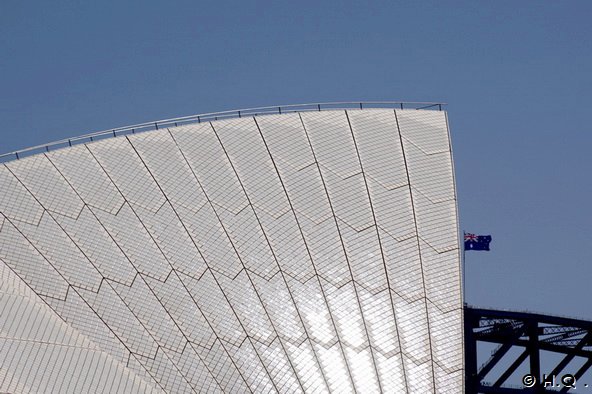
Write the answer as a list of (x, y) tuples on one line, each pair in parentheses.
[(40, 352), (312, 252)]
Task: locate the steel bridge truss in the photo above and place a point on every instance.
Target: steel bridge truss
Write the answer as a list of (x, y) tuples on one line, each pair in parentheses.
[(532, 334)]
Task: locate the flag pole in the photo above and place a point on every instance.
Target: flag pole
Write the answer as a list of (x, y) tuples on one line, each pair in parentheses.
[(464, 275)]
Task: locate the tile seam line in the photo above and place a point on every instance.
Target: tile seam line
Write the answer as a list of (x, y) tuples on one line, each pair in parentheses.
[(108, 280), (345, 253), (208, 201), (236, 251), (388, 286), (418, 247), (244, 268), (60, 274), (37, 295), (316, 275), (272, 252), (126, 201)]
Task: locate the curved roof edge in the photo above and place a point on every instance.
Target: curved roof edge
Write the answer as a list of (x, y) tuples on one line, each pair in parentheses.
[(207, 117)]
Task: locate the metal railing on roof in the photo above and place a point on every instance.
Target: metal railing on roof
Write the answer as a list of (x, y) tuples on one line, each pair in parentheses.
[(148, 126)]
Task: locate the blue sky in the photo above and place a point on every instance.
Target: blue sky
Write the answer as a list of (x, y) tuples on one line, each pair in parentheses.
[(517, 77)]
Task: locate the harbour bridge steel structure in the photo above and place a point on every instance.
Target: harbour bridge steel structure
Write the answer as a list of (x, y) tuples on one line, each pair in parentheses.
[(533, 334)]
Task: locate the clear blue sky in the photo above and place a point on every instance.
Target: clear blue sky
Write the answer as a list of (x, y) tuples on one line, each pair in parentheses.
[(517, 76)]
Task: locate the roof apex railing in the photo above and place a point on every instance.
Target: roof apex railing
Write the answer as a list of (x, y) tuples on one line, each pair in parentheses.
[(213, 116)]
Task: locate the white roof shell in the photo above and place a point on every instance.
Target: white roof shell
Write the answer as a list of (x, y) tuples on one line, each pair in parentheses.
[(301, 252)]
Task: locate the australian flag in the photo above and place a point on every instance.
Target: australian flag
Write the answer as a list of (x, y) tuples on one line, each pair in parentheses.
[(477, 242)]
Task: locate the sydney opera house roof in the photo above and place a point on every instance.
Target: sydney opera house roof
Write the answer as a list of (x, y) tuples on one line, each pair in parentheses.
[(302, 251)]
